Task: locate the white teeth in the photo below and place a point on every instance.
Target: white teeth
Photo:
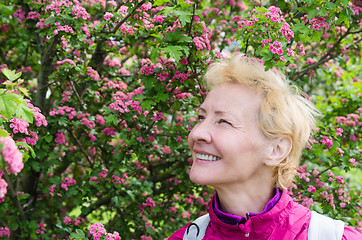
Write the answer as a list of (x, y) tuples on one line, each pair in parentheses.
[(207, 157)]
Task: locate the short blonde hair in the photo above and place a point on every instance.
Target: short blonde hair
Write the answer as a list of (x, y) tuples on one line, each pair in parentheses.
[(283, 111)]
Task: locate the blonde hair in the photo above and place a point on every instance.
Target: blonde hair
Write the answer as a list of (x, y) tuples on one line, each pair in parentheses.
[(283, 111)]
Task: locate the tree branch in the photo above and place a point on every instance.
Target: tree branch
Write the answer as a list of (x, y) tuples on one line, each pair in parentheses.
[(13, 196), (125, 18), (325, 58), (226, 3)]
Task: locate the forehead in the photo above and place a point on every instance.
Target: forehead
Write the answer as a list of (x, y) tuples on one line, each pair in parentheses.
[(232, 97)]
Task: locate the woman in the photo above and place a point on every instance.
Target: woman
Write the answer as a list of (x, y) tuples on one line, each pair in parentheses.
[(251, 130)]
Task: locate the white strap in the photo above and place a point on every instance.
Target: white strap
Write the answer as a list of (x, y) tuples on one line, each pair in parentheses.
[(324, 228), (197, 229)]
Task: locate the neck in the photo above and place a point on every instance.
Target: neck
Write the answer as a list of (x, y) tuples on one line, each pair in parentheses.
[(240, 200)]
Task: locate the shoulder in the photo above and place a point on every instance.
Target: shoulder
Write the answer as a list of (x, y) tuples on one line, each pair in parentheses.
[(179, 234), (351, 234)]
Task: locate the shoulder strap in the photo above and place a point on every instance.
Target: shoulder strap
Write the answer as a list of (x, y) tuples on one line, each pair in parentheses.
[(324, 228), (197, 229)]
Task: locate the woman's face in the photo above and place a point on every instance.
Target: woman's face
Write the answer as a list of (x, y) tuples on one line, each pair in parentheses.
[(227, 145)]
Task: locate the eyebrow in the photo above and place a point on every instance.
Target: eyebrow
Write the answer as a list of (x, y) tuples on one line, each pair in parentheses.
[(218, 112)]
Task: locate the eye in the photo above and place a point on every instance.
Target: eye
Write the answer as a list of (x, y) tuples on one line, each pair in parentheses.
[(200, 118), (223, 121)]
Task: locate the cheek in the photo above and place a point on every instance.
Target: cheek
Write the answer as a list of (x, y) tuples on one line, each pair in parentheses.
[(189, 140)]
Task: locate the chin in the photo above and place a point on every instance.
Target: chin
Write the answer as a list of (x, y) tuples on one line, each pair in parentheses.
[(199, 178)]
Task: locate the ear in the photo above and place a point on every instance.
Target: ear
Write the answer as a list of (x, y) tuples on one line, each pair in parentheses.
[(281, 147)]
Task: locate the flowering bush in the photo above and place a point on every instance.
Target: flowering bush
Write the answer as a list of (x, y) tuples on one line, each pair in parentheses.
[(112, 91)]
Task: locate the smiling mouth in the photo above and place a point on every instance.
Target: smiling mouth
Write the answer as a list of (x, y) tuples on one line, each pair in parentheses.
[(207, 157)]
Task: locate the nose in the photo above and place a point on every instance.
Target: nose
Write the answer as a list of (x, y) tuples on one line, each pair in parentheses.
[(201, 133)]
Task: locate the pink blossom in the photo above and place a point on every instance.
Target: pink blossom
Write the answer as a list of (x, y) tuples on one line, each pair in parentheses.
[(60, 137), (66, 182), (166, 149), (327, 141), (19, 125), (51, 190), (146, 6), (3, 190), (340, 151), (158, 18), (70, 61), (92, 73), (123, 9), (4, 231), (33, 15), (108, 16), (113, 236), (103, 173), (353, 161), (97, 230), (11, 155), (93, 179), (67, 220), (100, 120), (339, 131)]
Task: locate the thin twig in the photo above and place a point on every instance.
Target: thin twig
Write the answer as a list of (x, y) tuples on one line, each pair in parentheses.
[(13, 196), (208, 24), (124, 19)]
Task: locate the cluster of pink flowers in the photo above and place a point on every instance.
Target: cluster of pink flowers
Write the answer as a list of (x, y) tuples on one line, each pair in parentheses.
[(62, 111), (60, 137), (148, 203), (4, 231), (126, 29), (20, 14), (67, 60), (3, 188), (273, 14), (67, 220), (56, 5), (33, 15), (11, 155), (92, 73), (41, 229), (276, 47), (80, 12), (203, 42), (107, 16), (66, 182), (317, 22), (96, 230), (146, 6), (158, 18), (64, 28), (327, 140), (19, 125), (286, 32), (122, 106), (38, 117), (123, 9), (41, 24)]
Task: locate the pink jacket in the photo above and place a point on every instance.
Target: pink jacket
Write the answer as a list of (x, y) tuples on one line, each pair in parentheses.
[(286, 220)]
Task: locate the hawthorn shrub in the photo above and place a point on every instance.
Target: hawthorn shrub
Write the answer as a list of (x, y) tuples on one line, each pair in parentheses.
[(108, 93)]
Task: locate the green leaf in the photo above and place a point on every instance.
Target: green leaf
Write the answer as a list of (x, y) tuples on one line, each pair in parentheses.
[(147, 104), (111, 118), (79, 234), (160, 2), (50, 20), (174, 52), (8, 104), (316, 37), (11, 74), (185, 17), (24, 112), (3, 133)]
